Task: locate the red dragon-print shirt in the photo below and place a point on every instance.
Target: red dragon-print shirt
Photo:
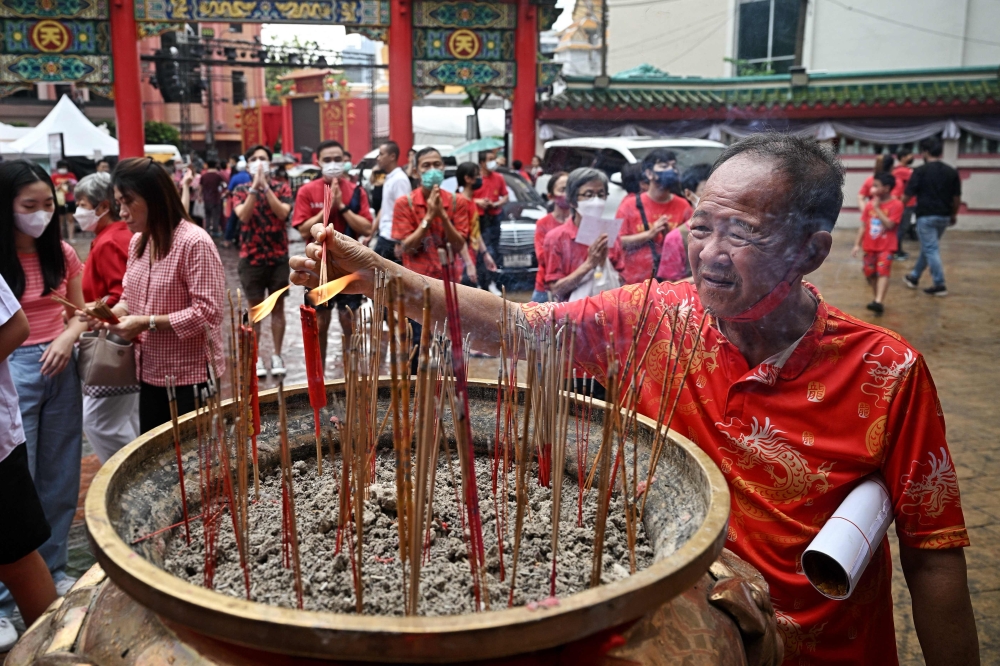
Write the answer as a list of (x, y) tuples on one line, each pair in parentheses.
[(793, 436)]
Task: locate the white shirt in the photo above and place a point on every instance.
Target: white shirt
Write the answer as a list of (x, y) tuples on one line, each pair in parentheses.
[(11, 431), (397, 184)]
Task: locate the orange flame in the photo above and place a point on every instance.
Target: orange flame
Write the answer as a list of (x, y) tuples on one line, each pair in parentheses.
[(264, 308), (325, 292)]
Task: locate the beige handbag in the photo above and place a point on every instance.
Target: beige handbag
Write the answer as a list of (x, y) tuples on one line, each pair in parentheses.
[(106, 359)]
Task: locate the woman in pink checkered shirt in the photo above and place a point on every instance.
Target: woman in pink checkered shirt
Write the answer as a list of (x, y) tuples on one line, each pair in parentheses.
[(174, 288)]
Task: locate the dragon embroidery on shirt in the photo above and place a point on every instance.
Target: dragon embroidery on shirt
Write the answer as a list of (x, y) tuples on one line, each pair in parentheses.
[(886, 372), (787, 467), (795, 638), (932, 494)]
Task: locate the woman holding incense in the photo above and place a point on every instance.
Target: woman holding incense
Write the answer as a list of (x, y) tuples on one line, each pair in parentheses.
[(173, 292), (37, 264), (110, 413)]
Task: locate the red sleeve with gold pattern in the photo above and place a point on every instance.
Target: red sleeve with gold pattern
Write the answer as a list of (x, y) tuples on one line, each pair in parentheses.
[(917, 465), (611, 315)]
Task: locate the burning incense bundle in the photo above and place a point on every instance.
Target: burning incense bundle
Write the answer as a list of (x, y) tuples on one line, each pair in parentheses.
[(289, 529), (171, 385), (99, 311), (314, 373)]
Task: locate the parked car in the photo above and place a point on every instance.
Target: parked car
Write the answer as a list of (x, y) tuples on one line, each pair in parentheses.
[(611, 154), (516, 260)]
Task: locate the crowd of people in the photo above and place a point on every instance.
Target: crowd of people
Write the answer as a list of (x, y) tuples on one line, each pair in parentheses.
[(154, 261)]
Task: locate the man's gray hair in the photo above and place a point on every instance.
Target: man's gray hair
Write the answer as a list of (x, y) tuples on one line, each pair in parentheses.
[(580, 177), (815, 177), (95, 188)]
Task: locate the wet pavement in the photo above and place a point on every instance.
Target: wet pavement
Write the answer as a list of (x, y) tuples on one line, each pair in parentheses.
[(958, 335)]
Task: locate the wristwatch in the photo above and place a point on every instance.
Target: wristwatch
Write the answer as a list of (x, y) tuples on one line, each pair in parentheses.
[(344, 209), (152, 322), (425, 224)]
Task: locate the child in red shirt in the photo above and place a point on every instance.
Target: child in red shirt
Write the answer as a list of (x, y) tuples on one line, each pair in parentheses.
[(877, 236)]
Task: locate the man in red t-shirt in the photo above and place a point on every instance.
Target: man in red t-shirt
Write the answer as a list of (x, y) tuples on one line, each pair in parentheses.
[(648, 216), (349, 214), (429, 218), (877, 237), (490, 198)]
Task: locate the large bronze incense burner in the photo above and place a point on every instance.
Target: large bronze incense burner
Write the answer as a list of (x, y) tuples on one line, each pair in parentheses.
[(136, 493)]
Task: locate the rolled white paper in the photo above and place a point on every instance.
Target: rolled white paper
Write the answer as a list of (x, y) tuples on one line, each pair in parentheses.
[(836, 559)]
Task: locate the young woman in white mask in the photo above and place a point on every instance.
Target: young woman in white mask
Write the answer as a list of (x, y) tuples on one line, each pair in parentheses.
[(36, 263), (569, 264), (110, 413)]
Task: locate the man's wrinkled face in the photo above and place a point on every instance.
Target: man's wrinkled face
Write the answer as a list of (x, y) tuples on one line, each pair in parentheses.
[(739, 247)]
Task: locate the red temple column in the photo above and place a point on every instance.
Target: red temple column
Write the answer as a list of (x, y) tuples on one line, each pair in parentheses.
[(401, 75), (125, 59), (523, 112)]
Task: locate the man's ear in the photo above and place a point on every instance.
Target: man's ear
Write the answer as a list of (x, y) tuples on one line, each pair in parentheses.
[(817, 249)]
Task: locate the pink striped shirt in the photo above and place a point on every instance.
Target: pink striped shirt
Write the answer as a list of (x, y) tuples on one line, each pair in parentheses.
[(189, 285), (45, 316)]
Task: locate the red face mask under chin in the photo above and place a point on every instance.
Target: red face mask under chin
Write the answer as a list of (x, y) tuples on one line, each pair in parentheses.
[(770, 301)]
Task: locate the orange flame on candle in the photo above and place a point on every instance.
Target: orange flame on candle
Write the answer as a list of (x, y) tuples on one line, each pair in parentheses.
[(264, 308), (325, 292)]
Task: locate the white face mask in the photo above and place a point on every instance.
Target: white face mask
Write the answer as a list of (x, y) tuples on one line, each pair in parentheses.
[(257, 166), (591, 207), (88, 218), (333, 170), (33, 224), (491, 165), (62, 170)]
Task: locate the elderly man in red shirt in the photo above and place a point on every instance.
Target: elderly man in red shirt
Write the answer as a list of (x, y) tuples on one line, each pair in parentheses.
[(349, 214), (795, 401)]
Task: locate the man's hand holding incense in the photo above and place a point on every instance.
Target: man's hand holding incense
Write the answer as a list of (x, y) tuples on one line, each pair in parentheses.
[(343, 257)]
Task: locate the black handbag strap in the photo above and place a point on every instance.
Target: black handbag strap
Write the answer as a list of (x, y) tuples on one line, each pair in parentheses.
[(645, 226)]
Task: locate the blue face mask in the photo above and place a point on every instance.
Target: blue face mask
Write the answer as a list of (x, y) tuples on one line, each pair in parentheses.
[(666, 179), (432, 177)]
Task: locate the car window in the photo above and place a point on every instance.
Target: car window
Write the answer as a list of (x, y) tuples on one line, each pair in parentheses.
[(686, 157), (565, 158), (520, 189)]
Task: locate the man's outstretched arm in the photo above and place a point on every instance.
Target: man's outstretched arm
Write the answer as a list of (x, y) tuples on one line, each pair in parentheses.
[(942, 609), (480, 309)]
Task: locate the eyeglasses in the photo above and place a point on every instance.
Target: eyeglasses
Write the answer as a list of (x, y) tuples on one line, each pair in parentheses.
[(587, 195)]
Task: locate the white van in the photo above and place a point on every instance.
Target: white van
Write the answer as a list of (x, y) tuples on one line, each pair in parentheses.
[(612, 153), (164, 153)]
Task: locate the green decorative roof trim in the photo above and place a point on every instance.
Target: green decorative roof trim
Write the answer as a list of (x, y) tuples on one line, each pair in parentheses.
[(643, 71), (636, 89)]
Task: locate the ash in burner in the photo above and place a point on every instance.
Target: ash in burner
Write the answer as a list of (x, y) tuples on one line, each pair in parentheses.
[(445, 580)]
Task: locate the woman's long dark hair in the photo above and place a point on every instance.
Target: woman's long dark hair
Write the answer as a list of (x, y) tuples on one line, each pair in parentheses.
[(145, 178), (15, 176)]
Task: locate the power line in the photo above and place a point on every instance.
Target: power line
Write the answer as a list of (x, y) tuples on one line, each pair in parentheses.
[(660, 37), (639, 3), (704, 36), (911, 26)]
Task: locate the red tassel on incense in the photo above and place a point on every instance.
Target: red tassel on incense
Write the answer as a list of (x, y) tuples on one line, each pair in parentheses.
[(314, 374)]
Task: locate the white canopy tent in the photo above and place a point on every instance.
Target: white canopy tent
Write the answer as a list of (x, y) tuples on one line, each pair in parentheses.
[(81, 138), (9, 133)]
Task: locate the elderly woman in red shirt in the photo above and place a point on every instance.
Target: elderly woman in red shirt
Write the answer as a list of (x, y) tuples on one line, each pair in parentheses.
[(110, 413), (173, 291)]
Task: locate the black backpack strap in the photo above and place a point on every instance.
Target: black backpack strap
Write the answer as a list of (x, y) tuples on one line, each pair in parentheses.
[(645, 226), (642, 211)]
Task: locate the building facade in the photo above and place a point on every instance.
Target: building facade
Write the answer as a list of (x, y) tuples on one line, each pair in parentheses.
[(719, 38), (859, 114)]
